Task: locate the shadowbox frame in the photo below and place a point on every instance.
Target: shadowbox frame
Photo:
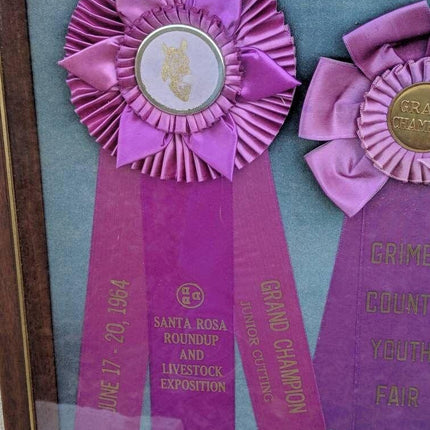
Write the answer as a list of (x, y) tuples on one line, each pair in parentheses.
[(27, 365)]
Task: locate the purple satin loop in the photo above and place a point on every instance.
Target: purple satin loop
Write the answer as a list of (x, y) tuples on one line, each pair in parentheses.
[(188, 235), (96, 64), (373, 353), (130, 10), (372, 46), (257, 67), (333, 101), (228, 11), (217, 145), (137, 139), (114, 353), (345, 174)]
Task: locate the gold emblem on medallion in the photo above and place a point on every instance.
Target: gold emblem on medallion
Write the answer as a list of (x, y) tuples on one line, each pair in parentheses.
[(409, 118), (180, 69), (176, 66)]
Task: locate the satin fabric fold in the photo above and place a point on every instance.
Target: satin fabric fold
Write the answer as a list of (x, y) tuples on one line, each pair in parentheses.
[(333, 100), (228, 11), (257, 67), (92, 22), (372, 46), (137, 139), (131, 10), (345, 174), (95, 65), (217, 146), (114, 352)]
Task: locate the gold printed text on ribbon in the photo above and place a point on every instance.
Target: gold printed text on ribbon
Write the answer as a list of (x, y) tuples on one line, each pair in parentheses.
[(409, 118)]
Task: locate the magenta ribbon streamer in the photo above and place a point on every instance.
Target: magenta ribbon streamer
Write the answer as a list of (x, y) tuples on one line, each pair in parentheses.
[(114, 354), (191, 237), (269, 325), (188, 234), (373, 355)]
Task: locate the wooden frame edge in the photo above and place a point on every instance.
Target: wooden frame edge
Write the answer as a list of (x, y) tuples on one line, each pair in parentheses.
[(16, 254), (27, 364)]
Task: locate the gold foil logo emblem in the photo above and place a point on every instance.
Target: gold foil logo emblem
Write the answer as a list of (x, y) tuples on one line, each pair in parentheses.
[(409, 118), (180, 70), (176, 66), (190, 296)]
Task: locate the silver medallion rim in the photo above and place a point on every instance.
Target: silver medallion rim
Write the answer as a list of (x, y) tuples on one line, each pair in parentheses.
[(213, 46)]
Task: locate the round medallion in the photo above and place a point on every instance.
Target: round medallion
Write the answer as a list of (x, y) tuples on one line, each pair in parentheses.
[(180, 69), (409, 118)]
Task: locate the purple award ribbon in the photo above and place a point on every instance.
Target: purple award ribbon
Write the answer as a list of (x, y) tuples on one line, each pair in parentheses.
[(188, 91), (269, 325), (373, 352), (114, 354), (188, 237)]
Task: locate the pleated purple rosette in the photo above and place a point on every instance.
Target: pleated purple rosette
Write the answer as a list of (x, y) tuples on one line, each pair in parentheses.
[(372, 356), (138, 70), (378, 142), (102, 43)]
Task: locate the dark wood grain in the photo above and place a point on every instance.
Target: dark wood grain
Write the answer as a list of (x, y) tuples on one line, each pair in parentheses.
[(12, 369), (21, 118)]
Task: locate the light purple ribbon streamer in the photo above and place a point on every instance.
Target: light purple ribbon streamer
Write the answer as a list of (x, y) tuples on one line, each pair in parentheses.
[(269, 325), (188, 234), (373, 354), (114, 353)]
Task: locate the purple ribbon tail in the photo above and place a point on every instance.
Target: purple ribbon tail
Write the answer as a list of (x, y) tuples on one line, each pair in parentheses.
[(373, 352), (188, 232), (269, 324), (114, 353)]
